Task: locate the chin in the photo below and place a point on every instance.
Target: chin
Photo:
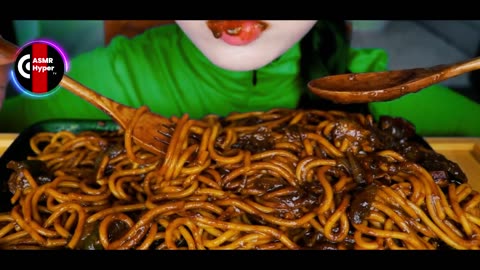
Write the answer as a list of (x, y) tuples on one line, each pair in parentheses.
[(240, 66), (276, 39), (242, 58)]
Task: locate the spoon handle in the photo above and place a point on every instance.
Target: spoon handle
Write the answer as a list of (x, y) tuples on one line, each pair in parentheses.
[(8, 50), (120, 113), (463, 67)]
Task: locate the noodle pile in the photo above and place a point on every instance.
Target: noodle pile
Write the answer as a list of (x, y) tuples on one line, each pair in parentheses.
[(282, 179)]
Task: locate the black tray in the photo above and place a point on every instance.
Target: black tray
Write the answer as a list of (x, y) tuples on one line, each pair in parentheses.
[(20, 147)]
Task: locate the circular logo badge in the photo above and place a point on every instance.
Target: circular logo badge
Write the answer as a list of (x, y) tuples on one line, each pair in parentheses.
[(39, 68)]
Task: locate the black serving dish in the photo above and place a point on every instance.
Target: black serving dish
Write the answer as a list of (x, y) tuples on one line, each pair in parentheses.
[(20, 147)]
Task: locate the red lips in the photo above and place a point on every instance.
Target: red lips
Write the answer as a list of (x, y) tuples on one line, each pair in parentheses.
[(237, 33)]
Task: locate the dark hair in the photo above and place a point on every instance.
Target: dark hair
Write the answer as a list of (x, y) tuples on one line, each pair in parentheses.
[(325, 51)]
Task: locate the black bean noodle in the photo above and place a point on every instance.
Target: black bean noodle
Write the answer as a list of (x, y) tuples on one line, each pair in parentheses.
[(282, 179)]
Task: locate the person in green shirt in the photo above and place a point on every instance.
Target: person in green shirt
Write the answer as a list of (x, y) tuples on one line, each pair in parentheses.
[(219, 67)]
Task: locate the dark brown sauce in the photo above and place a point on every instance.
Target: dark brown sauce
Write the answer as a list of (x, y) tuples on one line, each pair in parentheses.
[(232, 27)]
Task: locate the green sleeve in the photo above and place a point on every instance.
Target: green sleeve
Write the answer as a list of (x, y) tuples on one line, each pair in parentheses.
[(163, 70), (21, 111), (435, 111)]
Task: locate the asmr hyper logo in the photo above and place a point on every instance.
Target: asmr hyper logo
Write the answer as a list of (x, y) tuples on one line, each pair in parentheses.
[(39, 68)]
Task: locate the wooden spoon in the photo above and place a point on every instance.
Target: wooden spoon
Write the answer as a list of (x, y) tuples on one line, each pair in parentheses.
[(387, 85), (152, 132)]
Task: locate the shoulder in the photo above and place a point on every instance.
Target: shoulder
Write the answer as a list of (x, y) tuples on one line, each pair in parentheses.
[(153, 39), (124, 57)]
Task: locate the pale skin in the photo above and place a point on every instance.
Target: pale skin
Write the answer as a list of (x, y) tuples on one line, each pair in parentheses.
[(272, 43), (4, 69)]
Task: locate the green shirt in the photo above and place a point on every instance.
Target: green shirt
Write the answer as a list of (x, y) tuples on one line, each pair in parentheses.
[(180, 79)]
